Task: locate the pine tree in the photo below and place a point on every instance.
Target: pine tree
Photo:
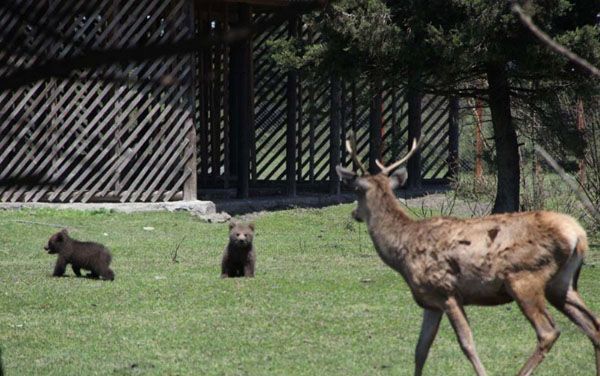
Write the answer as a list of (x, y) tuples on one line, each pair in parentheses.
[(468, 48)]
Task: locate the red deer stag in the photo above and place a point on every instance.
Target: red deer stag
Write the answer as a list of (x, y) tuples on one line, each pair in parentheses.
[(448, 263)]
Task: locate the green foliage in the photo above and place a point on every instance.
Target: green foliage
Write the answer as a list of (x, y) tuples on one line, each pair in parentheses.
[(322, 303), (286, 52), (449, 44), (584, 40)]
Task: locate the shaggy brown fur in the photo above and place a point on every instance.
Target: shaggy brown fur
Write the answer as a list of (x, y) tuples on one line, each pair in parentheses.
[(81, 255), (239, 256), (527, 257)]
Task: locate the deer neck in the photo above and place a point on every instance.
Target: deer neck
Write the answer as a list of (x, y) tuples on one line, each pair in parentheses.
[(385, 224)]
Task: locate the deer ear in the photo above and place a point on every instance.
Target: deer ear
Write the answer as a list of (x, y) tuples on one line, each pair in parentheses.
[(398, 178), (347, 176)]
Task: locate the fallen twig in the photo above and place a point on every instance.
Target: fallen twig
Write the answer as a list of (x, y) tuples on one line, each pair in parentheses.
[(174, 253)]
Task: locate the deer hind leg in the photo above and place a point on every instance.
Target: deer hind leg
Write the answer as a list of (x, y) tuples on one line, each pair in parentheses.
[(562, 294), (459, 322), (575, 309), (429, 328), (529, 295)]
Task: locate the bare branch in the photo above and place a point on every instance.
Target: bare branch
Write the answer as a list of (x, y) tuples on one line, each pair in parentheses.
[(570, 182), (552, 44)]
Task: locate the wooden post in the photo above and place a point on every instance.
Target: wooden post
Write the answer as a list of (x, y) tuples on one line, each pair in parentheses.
[(353, 117), (240, 105), (292, 119), (344, 122), (478, 141), (312, 125), (300, 135), (395, 144), (375, 125), (203, 61), (235, 87), (226, 111), (246, 108), (413, 97), (215, 108), (190, 186), (335, 134), (453, 138)]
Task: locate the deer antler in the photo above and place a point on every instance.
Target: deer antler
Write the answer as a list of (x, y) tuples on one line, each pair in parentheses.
[(393, 166), (351, 148)]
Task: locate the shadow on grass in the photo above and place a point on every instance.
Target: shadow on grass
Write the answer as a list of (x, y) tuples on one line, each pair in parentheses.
[(87, 276), (236, 206)]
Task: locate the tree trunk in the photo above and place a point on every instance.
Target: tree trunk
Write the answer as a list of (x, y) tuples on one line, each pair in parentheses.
[(505, 139)]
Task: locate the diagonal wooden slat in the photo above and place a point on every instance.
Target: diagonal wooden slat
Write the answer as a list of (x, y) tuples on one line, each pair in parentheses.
[(103, 120), (126, 143), (86, 135), (152, 166), (169, 166)]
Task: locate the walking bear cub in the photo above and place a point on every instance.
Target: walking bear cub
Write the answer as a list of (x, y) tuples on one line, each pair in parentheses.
[(239, 256), (81, 255)]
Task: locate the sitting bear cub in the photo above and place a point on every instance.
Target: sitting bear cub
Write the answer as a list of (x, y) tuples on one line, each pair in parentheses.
[(239, 255), (81, 255)]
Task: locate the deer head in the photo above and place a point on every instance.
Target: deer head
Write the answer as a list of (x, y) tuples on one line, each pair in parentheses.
[(371, 188)]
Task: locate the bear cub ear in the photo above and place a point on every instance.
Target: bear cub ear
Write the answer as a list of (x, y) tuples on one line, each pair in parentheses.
[(232, 224), (251, 225), (62, 235)]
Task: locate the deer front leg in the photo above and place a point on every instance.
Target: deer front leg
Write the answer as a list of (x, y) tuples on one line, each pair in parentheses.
[(429, 328), (459, 322)]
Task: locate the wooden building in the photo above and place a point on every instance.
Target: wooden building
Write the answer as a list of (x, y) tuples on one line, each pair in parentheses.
[(118, 100)]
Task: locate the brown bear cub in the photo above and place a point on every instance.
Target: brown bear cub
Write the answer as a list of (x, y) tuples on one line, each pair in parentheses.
[(81, 255), (239, 256)]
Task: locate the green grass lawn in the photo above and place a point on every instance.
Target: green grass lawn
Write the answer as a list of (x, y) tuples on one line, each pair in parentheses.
[(322, 303)]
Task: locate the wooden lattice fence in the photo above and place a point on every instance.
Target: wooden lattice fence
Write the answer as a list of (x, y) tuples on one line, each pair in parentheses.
[(313, 128), (225, 115), (115, 133)]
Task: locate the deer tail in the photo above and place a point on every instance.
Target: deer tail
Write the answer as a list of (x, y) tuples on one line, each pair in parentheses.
[(579, 252)]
